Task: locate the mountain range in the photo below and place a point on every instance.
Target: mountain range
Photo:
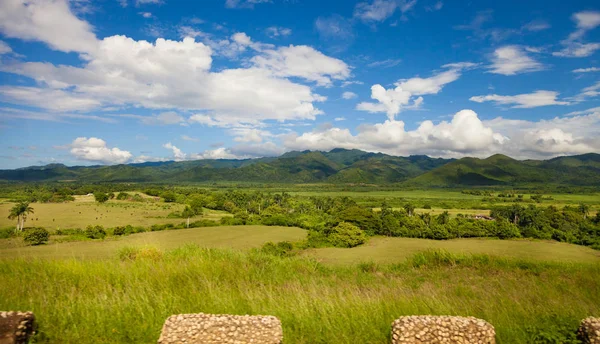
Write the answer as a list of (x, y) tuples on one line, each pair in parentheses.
[(340, 166)]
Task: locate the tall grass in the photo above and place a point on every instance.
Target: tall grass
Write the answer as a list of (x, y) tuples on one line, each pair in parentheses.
[(126, 301)]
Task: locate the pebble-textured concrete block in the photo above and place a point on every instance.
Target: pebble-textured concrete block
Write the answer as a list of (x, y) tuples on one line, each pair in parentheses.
[(442, 329), (222, 329), (589, 331), (16, 327)]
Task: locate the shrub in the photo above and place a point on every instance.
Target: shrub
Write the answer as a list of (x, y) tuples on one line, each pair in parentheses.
[(95, 232), (101, 197), (346, 235), (281, 249), (6, 233), (122, 196), (36, 236)]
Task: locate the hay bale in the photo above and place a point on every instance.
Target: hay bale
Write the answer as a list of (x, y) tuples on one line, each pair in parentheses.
[(16, 327), (442, 329), (589, 331), (221, 328)]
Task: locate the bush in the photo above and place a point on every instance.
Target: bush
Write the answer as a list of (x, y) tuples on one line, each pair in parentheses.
[(281, 249), (347, 235), (122, 196), (95, 232), (36, 236), (101, 197), (6, 233)]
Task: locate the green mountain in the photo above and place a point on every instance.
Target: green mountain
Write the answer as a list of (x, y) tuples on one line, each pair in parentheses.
[(336, 166), (582, 170)]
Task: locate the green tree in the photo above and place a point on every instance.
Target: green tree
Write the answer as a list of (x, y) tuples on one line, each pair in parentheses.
[(20, 212), (346, 235), (101, 197), (169, 196)]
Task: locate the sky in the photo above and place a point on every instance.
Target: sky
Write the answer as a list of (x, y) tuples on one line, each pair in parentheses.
[(93, 82)]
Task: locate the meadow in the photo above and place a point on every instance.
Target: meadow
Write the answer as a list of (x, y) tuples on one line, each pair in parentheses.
[(121, 288), (126, 301)]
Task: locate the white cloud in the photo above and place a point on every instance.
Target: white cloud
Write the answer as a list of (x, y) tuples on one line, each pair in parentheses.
[(536, 25), (249, 135), (177, 153), (145, 2), (586, 70), (164, 118), (573, 47), (48, 21), (189, 138), (380, 10), (339, 119), (303, 62), (275, 31), (591, 91), (244, 3), (574, 134), (465, 134), (50, 116), (95, 150), (576, 49), (350, 83), (349, 95), (404, 95), (336, 31), (511, 60), (523, 101), (146, 14), (55, 100), (385, 63), (175, 75), (4, 48), (218, 153)]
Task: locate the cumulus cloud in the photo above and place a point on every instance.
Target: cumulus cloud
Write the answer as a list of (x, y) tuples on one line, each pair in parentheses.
[(178, 155), (303, 62), (95, 150), (218, 153), (465, 134), (575, 133), (407, 93), (380, 10), (524, 101), (511, 60), (48, 21), (349, 95)]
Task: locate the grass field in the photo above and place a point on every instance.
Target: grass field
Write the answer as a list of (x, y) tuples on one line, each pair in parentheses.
[(237, 237), (84, 211), (394, 250), (112, 301)]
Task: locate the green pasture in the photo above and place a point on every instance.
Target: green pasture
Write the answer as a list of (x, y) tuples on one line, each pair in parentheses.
[(394, 250), (85, 211), (236, 237)]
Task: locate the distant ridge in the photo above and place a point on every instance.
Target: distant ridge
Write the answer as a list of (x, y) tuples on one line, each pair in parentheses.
[(343, 166)]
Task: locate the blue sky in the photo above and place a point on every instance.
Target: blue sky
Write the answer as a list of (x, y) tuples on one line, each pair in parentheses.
[(121, 81)]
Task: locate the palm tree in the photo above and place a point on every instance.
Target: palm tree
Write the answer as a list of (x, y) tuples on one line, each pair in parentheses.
[(20, 212), (584, 209)]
